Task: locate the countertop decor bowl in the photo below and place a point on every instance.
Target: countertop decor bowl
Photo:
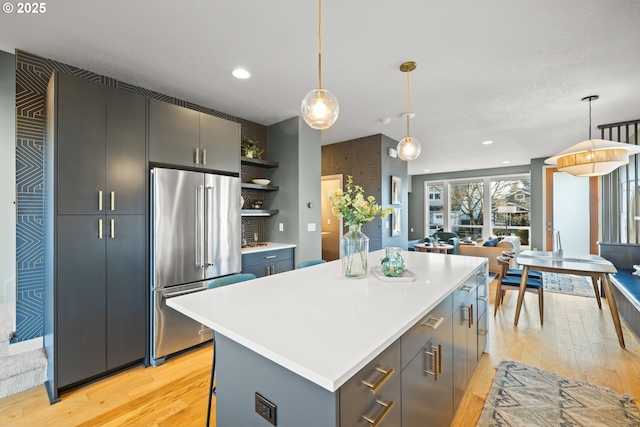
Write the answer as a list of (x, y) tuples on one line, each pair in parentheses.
[(261, 181)]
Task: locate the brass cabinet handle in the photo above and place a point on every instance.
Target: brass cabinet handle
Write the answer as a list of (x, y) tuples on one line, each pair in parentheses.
[(482, 332), (113, 200), (436, 358), (386, 375), (113, 228), (467, 288), (197, 156), (204, 156), (470, 315), (482, 274), (484, 298), (387, 408), (99, 200), (436, 322), (100, 229), (270, 257), (440, 358)]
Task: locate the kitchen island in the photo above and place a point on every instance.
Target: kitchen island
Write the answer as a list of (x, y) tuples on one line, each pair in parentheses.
[(332, 351)]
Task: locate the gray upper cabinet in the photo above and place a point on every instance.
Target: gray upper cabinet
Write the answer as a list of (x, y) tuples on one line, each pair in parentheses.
[(174, 134), (183, 137), (125, 153), (81, 145), (219, 143)]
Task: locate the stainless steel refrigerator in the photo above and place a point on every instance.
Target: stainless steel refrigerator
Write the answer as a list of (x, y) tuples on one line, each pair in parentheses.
[(195, 237)]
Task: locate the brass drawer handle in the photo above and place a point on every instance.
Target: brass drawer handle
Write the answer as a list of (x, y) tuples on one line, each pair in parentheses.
[(436, 361), (386, 375), (113, 200), (99, 229), (437, 321), (99, 200), (483, 299), (270, 257), (387, 408), (112, 228), (466, 288), (482, 274), (482, 332)]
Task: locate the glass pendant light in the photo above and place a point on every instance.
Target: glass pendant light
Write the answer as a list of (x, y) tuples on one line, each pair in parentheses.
[(593, 157), (409, 148), (320, 107)]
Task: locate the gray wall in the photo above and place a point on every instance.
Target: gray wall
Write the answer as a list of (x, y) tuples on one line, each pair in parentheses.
[(537, 204), (7, 184), (416, 197), (393, 167), (296, 147)]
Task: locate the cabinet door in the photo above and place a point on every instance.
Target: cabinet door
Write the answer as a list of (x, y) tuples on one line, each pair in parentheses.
[(126, 290), (80, 142), (259, 270), (126, 153), (80, 295), (425, 400), (174, 134), (221, 140)]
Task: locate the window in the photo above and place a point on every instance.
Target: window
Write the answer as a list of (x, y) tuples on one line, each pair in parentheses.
[(476, 208)]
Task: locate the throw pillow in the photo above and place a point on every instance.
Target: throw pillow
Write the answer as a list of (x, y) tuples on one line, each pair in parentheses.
[(492, 242)]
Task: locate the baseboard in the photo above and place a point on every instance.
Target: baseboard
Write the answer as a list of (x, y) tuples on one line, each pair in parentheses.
[(28, 345)]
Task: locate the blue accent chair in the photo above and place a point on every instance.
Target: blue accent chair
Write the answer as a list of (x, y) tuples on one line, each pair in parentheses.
[(216, 283), (449, 237), (304, 264), (507, 283)]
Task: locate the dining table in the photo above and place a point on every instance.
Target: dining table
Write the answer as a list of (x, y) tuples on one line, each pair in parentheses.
[(587, 265)]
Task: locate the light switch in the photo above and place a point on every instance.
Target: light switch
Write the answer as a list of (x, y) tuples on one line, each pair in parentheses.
[(311, 226), (386, 224), (281, 226), (412, 229)]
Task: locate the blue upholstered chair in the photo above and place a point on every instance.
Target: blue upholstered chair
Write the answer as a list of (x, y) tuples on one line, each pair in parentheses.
[(450, 238), (304, 264), (518, 271), (506, 283), (216, 283)]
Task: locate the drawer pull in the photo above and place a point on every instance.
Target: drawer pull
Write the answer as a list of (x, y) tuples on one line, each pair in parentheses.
[(387, 408), (466, 288), (482, 332), (436, 361), (482, 274), (386, 375), (437, 321), (483, 299), (270, 257)]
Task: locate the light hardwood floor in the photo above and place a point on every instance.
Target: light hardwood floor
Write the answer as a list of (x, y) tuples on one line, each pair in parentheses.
[(577, 340)]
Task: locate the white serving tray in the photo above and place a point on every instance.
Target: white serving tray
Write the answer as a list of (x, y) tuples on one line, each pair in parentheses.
[(408, 276)]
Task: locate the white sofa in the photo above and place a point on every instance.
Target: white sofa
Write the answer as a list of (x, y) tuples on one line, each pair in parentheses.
[(508, 243)]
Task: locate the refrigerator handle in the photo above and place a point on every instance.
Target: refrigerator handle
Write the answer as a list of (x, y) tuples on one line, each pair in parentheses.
[(208, 211), (198, 228)]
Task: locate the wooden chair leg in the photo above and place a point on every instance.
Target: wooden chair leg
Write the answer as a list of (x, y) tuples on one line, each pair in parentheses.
[(596, 291), (498, 298), (541, 305)]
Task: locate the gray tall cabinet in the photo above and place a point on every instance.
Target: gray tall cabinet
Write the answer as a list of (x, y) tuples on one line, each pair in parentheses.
[(95, 230)]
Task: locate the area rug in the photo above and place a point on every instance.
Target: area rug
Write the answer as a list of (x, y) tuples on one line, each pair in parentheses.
[(522, 395), (568, 284)]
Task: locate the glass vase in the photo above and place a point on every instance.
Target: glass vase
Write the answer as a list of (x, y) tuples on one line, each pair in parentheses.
[(354, 249), (393, 264)]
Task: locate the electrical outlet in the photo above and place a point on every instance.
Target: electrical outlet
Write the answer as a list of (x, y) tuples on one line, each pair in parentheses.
[(281, 226), (265, 409)]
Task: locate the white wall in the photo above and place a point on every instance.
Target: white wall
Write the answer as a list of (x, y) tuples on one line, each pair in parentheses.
[(7, 178), (571, 213)]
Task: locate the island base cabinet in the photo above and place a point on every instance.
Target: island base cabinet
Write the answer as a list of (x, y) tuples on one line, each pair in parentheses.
[(427, 383)]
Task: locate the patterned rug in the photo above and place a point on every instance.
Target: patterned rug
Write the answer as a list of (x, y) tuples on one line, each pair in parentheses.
[(568, 284), (522, 395)]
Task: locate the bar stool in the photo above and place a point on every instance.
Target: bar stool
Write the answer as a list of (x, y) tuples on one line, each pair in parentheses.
[(216, 283)]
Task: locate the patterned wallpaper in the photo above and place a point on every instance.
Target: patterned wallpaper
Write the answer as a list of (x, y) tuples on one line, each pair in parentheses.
[(32, 75), (360, 158)]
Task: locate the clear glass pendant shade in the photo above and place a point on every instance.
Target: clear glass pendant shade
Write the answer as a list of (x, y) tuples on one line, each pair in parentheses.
[(320, 109), (409, 148)]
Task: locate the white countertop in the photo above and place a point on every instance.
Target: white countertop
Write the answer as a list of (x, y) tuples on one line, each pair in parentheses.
[(321, 325), (268, 246)]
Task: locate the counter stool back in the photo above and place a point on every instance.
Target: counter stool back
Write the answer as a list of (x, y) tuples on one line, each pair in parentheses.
[(311, 262), (216, 283)]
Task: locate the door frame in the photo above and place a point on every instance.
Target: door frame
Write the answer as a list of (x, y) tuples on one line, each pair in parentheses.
[(594, 217)]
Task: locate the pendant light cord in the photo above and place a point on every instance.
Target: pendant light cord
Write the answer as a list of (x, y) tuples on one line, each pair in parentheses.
[(408, 103), (589, 119), (319, 44)]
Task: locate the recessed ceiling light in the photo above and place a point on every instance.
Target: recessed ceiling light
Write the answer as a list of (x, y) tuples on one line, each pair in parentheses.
[(506, 162), (427, 170), (241, 73), (487, 142)]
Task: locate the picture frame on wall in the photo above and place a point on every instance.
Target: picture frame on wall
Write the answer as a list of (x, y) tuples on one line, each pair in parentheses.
[(396, 222), (396, 190)]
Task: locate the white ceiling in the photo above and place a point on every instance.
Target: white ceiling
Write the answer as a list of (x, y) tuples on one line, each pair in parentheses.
[(508, 71)]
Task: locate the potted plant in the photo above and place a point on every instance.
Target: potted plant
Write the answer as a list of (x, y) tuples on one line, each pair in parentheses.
[(250, 148)]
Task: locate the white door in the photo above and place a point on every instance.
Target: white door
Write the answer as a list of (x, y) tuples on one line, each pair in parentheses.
[(571, 213)]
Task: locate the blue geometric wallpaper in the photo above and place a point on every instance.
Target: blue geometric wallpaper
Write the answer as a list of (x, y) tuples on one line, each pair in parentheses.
[(32, 75)]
